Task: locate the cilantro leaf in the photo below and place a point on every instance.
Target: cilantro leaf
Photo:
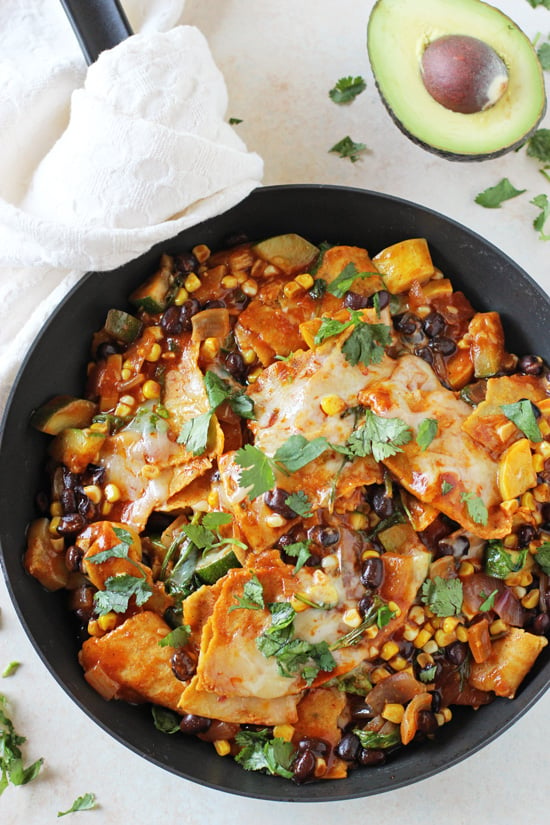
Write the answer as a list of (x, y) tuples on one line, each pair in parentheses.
[(372, 739), (427, 674), (488, 601), (346, 89), (347, 148), (166, 721), (118, 592), (194, 433), (366, 343), (299, 503), (542, 557), (218, 390), (201, 536), (543, 53), (297, 451), (299, 550), (536, 3), (10, 669), (442, 596), (492, 197), (542, 203), (262, 752), (427, 431), (178, 637), (216, 518), (476, 507), (118, 551), (538, 145), (344, 281), (446, 488), (330, 327), (499, 562), (81, 803), (257, 470), (381, 437), (12, 768), (523, 416), (252, 598), (318, 289), (377, 611)]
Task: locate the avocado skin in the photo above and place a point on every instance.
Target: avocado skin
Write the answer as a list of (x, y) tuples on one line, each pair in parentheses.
[(442, 153), (423, 141)]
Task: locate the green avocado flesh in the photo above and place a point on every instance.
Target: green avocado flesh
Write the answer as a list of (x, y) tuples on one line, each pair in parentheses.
[(398, 33)]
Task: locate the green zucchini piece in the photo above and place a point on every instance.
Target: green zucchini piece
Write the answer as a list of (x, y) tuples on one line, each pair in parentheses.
[(63, 411), (122, 326), (291, 252), (215, 564), (154, 295), (77, 448)]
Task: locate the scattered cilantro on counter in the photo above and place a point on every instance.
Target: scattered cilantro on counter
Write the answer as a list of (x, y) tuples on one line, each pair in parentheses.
[(81, 803), (346, 89), (542, 203), (536, 3), (347, 148), (442, 596), (543, 53), (10, 669), (492, 197), (12, 769)]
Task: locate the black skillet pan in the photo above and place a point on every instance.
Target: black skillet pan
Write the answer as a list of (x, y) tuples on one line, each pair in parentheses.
[(56, 364)]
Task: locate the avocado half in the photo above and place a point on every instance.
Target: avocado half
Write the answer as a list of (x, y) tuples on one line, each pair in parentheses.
[(399, 31)]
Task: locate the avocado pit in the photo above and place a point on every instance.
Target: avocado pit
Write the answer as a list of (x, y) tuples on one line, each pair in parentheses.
[(463, 74)]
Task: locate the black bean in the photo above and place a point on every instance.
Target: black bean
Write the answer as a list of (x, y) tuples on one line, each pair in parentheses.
[(348, 747), (183, 666), (186, 262), (436, 701), (365, 603), (406, 648), (304, 766), (426, 722), (85, 506), (194, 724), (381, 502), (73, 558), (214, 304), (407, 323), (456, 653), (354, 300), (319, 747), (327, 536), (68, 501), (95, 474), (276, 500), (187, 310), (292, 537), (106, 349), (360, 710), (433, 324), (71, 524), (70, 480), (371, 756), (235, 365), (526, 534), (426, 354), (453, 546), (372, 572), (445, 346), (541, 625), (531, 365), (171, 321)]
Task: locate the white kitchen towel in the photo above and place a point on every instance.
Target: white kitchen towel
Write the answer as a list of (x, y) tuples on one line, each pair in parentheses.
[(99, 165)]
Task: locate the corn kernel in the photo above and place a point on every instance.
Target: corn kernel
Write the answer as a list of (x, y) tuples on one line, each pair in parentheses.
[(298, 605), (423, 638), (250, 287), (129, 400), (320, 767), (410, 632), (352, 618), (370, 554), (543, 447), (531, 599), (424, 659), (93, 492), (371, 633), (430, 647), (450, 623), (229, 282), (440, 719), (222, 747), (274, 520), (94, 628), (56, 508), (389, 650), (541, 494), (213, 499), (528, 500), (358, 521), (497, 627), (305, 280), (210, 347), (393, 712), (154, 353), (519, 592), (511, 541), (461, 633), (107, 621), (538, 463), (106, 508), (151, 389), (254, 375), (122, 410), (466, 569), (379, 674), (510, 506), (332, 405), (443, 639), (201, 252), (53, 525), (285, 732), (330, 563), (292, 289), (192, 282), (394, 607), (181, 296), (417, 614), (398, 663), (249, 356), (126, 373), (112, 493)]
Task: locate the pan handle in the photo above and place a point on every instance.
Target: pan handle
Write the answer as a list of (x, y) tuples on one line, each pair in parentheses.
[(98, 25)]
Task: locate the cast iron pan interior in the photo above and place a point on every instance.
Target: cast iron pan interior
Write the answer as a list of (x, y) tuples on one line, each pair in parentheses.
[(56, 364)]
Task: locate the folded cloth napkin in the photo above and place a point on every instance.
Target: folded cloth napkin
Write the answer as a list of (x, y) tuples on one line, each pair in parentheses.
[(100, 165)]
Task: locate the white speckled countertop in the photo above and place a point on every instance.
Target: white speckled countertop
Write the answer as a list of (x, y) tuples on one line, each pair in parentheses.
[(280, 58)]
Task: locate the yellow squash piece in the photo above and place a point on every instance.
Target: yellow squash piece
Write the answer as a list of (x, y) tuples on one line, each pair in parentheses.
[(405, 262), (515, 472)]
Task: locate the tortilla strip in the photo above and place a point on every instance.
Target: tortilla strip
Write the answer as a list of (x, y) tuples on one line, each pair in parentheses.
[(246, 710)]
